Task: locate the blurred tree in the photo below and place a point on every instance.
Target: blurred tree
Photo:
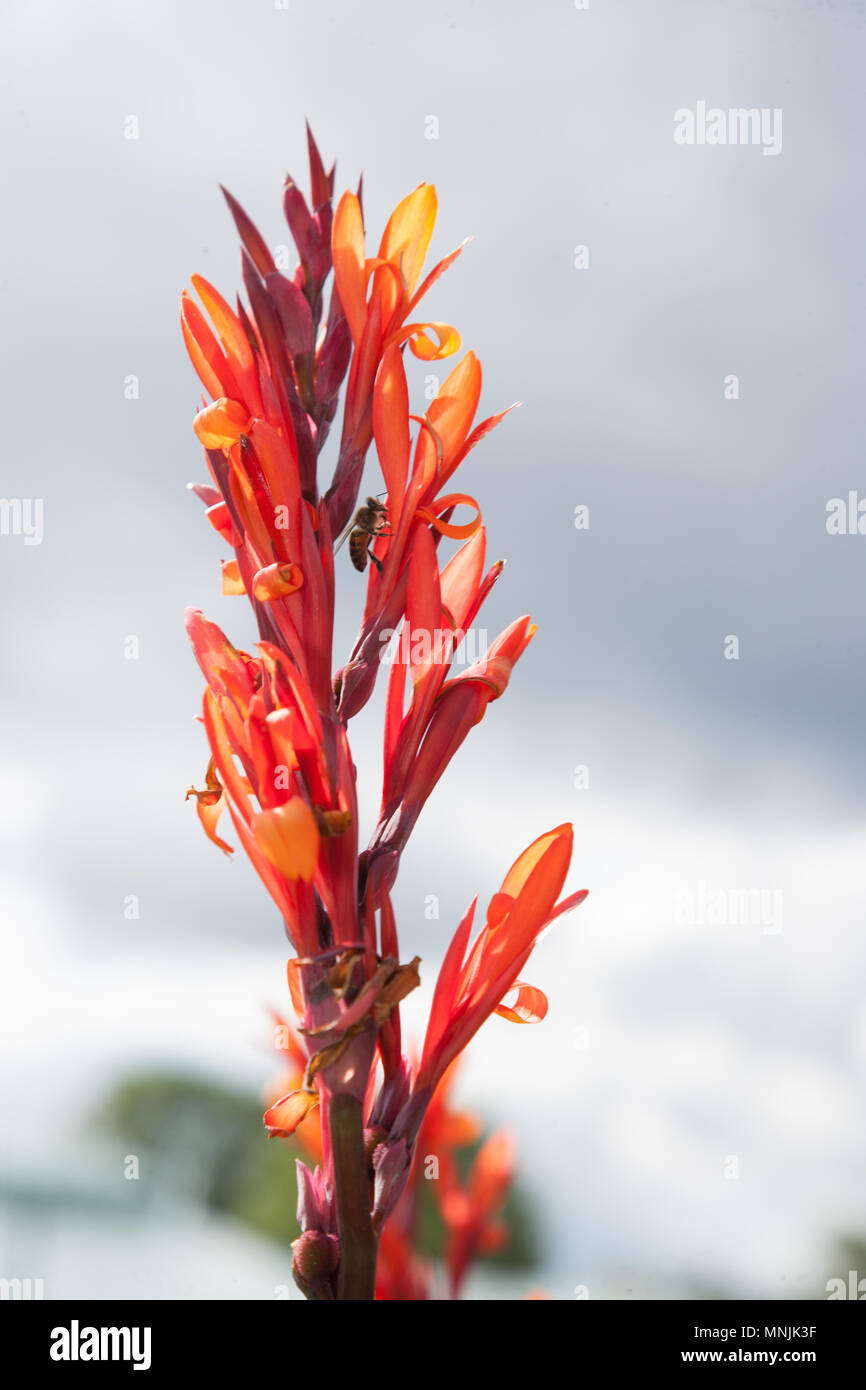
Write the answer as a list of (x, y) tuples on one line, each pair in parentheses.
[(206, 1143)]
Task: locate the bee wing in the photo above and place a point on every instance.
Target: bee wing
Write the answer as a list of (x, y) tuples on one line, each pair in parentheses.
[(346, 533)]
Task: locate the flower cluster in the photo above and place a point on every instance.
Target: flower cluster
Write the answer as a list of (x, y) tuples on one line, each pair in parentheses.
[(277, 719)]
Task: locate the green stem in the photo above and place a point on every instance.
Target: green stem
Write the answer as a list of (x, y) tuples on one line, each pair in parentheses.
[(356, 1276)]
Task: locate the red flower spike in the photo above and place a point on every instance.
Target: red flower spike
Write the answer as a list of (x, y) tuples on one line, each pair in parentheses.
[(276, 721)]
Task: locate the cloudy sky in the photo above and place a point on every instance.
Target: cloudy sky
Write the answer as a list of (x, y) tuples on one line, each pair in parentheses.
[(685, 1030)]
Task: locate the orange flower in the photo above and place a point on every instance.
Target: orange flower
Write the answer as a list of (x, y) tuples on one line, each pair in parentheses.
[(379, 321), (308, 1130), (418, 511), (294, 809), (472, 987)]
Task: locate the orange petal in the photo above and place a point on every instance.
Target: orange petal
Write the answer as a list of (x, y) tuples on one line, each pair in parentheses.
[(407, 235), (283, 1118), (221, 424), (530, 1006), (210, 806), (226, 323), (526, 862), (275, 581), (475, 437), (442, 504), (437, 270), (347, 249), (232, 582), (288, 838), (391, 427), (280, 466), (293, 974), (422, 345), (461, 578), (205, 352), (497, 663), (536, 899), (220, 519), (453, 409), (423, 605)]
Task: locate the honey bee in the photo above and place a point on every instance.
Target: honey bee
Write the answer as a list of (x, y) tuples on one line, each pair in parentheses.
[(367, 523)]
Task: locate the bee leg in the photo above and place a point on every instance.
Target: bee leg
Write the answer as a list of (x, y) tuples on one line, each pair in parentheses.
[(377, 563)]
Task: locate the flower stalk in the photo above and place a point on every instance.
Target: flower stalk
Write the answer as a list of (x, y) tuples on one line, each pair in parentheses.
[(357, 1270)]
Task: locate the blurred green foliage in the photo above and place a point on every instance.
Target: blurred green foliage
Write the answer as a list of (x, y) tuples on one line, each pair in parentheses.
[(206, 1143)]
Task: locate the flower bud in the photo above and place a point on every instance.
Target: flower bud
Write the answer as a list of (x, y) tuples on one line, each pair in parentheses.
[(316, 1256)]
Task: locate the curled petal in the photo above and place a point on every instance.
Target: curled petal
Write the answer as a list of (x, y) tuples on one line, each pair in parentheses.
[(210, 806), (276, 581), (209, 813), (283, 1118), (221, 424), (422, 345), (530, 1006), (443, 504)]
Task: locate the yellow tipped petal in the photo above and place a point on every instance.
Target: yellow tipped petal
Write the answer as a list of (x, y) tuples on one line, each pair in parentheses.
[(422, 345), (232, 582), (407, 235), (347, 249), (283, 1118), (288, 838)]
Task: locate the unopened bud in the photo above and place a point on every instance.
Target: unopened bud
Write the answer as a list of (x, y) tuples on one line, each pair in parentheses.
[(316, 1256)]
